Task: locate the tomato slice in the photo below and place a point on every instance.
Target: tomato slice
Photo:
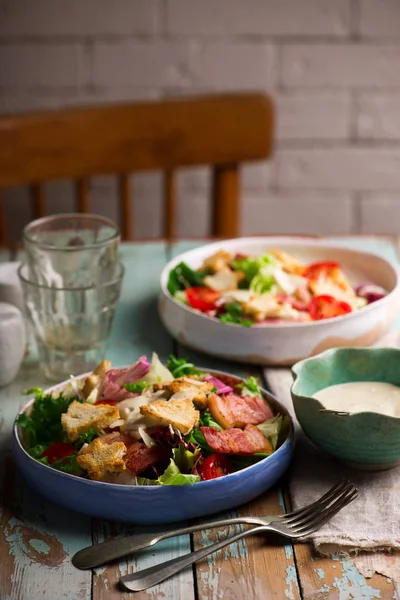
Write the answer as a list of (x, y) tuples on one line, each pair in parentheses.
[(202, 298), (216, 465), (320, 269), (58, 450), (326, 307)]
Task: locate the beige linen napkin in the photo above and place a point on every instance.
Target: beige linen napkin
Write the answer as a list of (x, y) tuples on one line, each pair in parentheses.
[(372, 522)]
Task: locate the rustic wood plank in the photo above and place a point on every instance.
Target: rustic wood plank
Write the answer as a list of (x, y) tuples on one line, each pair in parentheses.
[(257, 567), (339, 578), (137, 330), (105, 579), (37, 537), (253, 568)]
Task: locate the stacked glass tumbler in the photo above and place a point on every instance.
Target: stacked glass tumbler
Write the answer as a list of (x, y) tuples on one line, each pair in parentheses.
[(71, 278)]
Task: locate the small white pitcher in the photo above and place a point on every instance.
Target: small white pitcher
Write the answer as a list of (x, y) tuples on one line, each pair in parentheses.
[(12, 342)]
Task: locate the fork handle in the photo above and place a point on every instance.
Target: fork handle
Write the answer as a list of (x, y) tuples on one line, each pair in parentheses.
[(141, 580), (94, 556)]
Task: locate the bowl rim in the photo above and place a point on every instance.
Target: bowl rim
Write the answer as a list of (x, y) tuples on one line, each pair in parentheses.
[(209, 483), (296, 373), (297, 241)]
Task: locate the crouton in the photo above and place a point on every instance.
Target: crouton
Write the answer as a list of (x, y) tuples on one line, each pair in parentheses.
[(339, 279), (98, 458), (217, 261), (181, 414), (80, 417), (264, 307), (289, 263), (188, 387), (328, 287), (224, 280), (93, 380)]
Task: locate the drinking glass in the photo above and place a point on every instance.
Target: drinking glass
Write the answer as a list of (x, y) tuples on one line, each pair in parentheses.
[(71, 250), (70, 325)]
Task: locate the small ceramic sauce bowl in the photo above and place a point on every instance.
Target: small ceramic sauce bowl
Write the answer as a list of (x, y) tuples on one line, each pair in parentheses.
[(368, 440)]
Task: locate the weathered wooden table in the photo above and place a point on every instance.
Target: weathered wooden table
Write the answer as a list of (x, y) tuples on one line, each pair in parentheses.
[(38, 537)]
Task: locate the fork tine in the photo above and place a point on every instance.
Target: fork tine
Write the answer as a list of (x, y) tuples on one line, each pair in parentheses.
[(321, 518), (325, 500), (317, 510), (327, 517)]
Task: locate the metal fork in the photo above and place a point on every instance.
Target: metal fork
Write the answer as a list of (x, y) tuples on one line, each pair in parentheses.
[(299, 527), (94, 556)]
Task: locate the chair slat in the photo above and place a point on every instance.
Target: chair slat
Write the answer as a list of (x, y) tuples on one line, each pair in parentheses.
[(4, 237), (38, 199), (170, 205), (226, 207), (125, 197), (140, 136), (82, 191)]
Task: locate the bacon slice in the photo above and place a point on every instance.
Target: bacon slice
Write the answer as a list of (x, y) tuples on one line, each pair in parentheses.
[(237, 411), (116, 436), (140, 457), (110, 387), (258, 439), (236, 441)]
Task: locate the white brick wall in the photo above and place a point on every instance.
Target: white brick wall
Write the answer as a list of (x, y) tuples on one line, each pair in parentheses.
[(341, 65), (332, 67), (378, 116), (79, 18), (258, 17)]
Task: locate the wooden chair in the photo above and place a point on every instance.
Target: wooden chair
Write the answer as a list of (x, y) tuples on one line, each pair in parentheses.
[(221, 130)]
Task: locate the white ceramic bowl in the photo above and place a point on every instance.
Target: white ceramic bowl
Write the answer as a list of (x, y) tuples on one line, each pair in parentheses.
[(284, 344)]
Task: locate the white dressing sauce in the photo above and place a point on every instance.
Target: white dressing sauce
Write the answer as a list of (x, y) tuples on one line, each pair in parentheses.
[(361, 396)]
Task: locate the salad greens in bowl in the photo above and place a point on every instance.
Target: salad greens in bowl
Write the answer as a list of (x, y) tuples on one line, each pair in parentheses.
[(153, 442), (276, 300)]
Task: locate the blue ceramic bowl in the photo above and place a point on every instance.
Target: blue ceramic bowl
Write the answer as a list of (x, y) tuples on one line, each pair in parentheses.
[(159, 504), (366, 440)]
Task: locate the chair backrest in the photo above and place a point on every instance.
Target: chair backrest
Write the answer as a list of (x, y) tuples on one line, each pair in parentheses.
[(222, 131)]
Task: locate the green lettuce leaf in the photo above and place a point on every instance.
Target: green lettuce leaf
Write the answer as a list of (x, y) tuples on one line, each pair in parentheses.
[(275, 429), (234, 314), (136, 388), (179, 367), (197, 438), (250, 387), (173, 476), (66, 465), (86, 437), (182, 277), (184, 459), (43, 425), (252, 266), (37, 451), (206, 420), (180, 296)]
